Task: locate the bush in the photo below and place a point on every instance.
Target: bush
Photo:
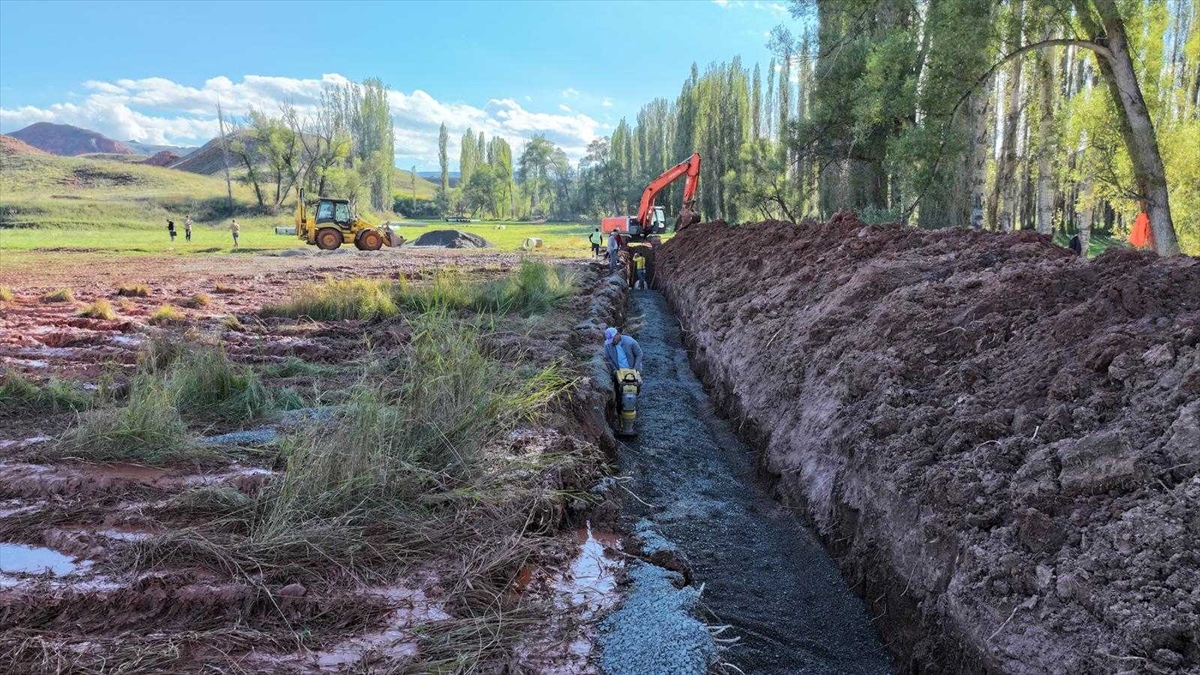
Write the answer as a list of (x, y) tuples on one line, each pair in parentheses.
[(60, 295), (197, 301), (18, 392), (146, 429), (337, 300), (133, 291), (424, 437), (166, 314), (205, 383), (99, 309)]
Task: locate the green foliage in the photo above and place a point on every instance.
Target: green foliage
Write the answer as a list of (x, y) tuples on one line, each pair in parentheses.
[(99, 309), (339, 299), (19, 393), (205, 384), (60, 295), (146, 429), (166, 314)]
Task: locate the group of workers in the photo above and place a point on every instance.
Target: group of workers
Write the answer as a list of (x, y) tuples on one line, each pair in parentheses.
[(234, 229), (613, 251)]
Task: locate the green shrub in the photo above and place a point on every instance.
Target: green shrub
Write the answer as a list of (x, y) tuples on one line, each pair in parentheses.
[(99, 309), (146, 429), (339, 299), (60, 295), (18, 392), (205, 383), (165, 315)]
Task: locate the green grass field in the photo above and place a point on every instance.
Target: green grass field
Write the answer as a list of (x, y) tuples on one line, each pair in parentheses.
[(62, 204)]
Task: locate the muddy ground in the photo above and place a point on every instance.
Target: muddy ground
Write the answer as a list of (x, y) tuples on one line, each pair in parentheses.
[(999, 442), (763, 574), (77, 591)]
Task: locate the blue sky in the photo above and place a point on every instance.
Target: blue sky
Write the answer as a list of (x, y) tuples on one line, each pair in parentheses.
[(152, 71)]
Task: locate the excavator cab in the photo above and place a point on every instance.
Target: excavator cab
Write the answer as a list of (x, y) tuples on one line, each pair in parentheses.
[(335, 211)]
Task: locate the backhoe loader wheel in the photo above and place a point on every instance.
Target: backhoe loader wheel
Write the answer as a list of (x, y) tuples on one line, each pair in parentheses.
[(328, 239), (370, 240)]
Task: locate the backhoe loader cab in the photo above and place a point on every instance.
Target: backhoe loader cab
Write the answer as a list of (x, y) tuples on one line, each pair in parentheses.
[(332, 223)]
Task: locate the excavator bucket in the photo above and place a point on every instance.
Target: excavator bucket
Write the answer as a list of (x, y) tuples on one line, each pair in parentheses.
[(686, 217)]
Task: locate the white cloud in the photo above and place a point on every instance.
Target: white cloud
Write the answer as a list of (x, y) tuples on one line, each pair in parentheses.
[(607, 102), (564, 107), (159, 110), (721, 3), (570, 92)]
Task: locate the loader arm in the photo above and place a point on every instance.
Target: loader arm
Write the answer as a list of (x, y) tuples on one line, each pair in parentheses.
[(689, 167)]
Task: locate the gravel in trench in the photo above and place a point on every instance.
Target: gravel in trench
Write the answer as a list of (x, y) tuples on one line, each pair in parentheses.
[(764, 573)]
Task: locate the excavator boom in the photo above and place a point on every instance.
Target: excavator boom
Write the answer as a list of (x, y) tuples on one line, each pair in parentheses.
[(689, 167)]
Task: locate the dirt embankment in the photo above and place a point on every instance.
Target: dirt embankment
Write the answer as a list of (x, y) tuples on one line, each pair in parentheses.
[(999, 442)]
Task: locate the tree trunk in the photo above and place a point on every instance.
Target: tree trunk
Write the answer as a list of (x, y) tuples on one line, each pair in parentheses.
[(1085, 214), (1006, 170), (1045, 181), (980, 148), (1137, 128)]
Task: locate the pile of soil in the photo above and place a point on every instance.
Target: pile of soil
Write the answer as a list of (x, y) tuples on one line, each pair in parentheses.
[(451, 239), (999, 441)]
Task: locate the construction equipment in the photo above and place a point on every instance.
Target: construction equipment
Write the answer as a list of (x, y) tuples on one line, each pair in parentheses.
[(628, 384), (650, 219), (333, 223)]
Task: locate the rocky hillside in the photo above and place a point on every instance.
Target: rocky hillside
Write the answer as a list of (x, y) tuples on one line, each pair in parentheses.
[(69, 141)]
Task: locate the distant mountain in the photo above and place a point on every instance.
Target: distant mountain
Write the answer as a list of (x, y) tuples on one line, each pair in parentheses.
[(435, 177), (13, 146), (151, 149), (161, 158), (209, 159), (67, 140)]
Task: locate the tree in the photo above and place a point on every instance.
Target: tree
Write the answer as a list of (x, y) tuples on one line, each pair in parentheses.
[(481, 192), (443, 194), (468, 157), (535, 168)]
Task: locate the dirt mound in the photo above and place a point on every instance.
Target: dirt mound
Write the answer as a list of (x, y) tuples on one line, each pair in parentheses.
[(999, 441), (15, 146), (163, 158), (451, 239)]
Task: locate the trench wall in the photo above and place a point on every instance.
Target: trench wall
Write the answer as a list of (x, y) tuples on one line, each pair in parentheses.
[(998, 442)]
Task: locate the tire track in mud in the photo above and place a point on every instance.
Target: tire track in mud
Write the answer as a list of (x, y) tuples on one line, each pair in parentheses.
[(764, 573)]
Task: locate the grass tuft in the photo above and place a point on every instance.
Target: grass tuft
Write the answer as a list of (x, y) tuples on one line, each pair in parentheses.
[(205, 383), (133, 291), (146, 429), (6, 294), (338, 300), (99, 309), (291, 367), (231, 322), (197, 301), (18, 392), (165, 315), (60, 295)]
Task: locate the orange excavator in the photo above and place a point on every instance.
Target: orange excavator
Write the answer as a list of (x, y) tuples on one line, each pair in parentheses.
[(650, 220)]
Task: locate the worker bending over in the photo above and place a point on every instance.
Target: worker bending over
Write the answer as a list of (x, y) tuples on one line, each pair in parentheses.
[(621, 352)]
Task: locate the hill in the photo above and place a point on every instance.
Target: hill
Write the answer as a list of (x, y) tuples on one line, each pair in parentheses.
[(15, 146), (402, 185), (435, 177), (152, 149), (68, 141)]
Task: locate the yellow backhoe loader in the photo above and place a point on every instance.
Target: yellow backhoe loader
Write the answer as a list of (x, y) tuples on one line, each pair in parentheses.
[(332, 223)]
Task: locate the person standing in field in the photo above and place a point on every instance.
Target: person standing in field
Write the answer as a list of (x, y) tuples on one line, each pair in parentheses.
[(596, 238), (187, 229), (1141, 235), (235, 229), (171, 229)]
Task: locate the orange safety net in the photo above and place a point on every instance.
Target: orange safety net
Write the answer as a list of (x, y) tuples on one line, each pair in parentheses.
[(1141, 236)]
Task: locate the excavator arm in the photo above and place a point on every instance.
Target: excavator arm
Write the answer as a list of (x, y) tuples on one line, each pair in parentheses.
[(689, 167)]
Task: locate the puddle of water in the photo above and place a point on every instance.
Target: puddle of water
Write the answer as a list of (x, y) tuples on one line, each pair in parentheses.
[(127, 341), (125, 534), (590, 581), (21, 443), (20, 558), (120, 470)]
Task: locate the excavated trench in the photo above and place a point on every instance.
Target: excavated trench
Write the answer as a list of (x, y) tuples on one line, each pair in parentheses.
[(763, 572)]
